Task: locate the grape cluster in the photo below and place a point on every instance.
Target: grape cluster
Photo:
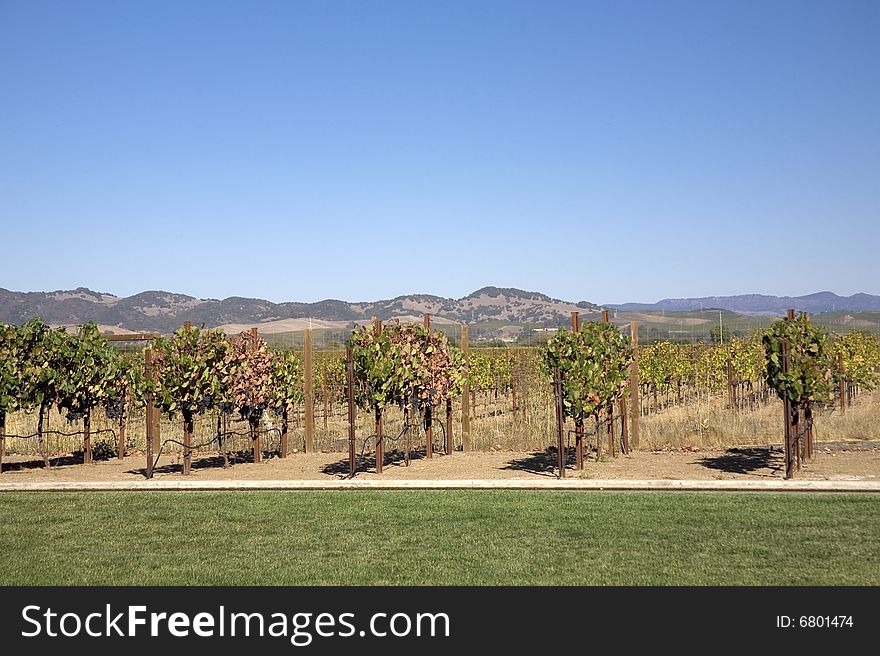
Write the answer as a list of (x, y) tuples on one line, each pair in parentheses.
[(205, 403), (114, 407), (252, 413)]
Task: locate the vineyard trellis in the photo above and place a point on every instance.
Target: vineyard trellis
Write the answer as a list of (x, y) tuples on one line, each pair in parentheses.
[(858, 361), (501, 388)]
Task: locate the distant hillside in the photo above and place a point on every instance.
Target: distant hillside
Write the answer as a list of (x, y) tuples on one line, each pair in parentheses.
[(761, 304), (164, 311)]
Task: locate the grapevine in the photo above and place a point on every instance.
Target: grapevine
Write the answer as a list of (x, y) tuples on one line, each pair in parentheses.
[(191, 375), (594, 363), (860, 353)]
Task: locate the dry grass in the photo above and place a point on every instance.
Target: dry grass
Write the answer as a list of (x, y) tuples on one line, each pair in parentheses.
[(710, 424), (861, 421)]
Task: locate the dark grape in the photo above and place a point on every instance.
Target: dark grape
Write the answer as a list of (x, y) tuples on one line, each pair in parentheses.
[(114, 407)]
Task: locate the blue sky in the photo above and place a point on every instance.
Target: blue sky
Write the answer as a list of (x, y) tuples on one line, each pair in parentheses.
[(601, 151)]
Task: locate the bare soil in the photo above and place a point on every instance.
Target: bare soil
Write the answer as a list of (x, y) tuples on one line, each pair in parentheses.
[(852, 461)]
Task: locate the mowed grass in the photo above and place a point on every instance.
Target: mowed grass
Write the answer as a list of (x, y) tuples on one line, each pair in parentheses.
[(420, 537)]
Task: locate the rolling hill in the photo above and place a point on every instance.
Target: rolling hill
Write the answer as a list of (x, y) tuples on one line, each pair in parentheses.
[(492, 308), (761, 304), (161, 311)]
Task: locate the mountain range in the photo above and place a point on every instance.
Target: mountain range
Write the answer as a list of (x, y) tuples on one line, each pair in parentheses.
[(761, 304), (160, 311)]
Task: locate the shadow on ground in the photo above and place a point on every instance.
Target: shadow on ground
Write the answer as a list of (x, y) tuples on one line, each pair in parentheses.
[(37, 463), (394, 458), (544, 463), (747, 460), (205, 462)]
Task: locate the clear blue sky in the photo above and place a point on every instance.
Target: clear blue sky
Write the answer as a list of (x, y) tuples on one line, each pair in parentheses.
[(602, 151)]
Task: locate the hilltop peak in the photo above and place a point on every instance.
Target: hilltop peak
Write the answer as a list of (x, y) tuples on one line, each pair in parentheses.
[(507, 292)]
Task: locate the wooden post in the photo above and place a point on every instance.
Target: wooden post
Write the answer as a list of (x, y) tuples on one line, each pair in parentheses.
[(449, 442), (187, 442), (842, 371), (255, 443), (635, 407), (801, 436), (157, 426), (612, 448), (575, 322), (152, 413), (187, 326), (44, 438), (465, 396), (427, 321), (223, 429), (2, 438), (731, 390), (808, 418), (149, 418), (429, 432), (120, 439), (309, 386), (349, 377), (560, 420), (579, 444), (624, 429), (380, 446), (604, 316), (87, 437)]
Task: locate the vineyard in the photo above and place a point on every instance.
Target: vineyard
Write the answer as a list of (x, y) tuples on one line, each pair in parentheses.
[(404, 391)]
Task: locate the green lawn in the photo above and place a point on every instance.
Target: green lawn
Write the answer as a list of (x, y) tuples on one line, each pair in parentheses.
[(474, 537)]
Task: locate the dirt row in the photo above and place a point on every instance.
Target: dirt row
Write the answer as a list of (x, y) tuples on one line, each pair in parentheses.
[(852, 461)]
